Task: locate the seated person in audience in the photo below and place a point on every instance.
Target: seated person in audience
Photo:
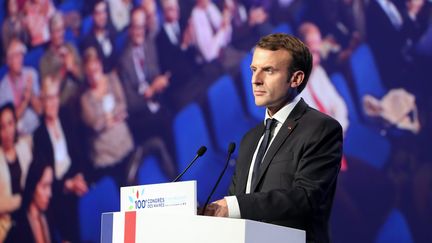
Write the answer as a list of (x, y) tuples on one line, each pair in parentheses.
[(37, 14), (55, 143), (102, 36), (104, 111), (320, 92), (177, 55), (144, 86), (20, 85), (152, 21), (248, 24), (387, 37), (15, 159), (212, 29), (62, 61), (119, 11), (13, 25), (33, 224)]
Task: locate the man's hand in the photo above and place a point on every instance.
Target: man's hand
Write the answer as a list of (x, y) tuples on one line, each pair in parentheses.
[(218, 209)]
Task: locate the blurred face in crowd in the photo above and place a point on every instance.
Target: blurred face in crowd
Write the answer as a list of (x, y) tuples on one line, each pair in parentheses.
[(415, 5), (171, 10), (270, 78), (137, 28), (57, 32), (313, 41), (50, 98), (100, 15), (203, 3), (93, 71), (15, 57), (42, 194), (7, 129), (12, 7)]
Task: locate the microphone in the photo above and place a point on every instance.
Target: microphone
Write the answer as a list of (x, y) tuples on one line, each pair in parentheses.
[(231, 148), (199, 153)]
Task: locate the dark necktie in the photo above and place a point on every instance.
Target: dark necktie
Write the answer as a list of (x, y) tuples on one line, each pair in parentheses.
[(262, 150)]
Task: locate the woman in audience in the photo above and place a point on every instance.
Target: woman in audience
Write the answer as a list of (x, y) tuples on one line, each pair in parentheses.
[(15, 158), (104, 112), (33, 223)]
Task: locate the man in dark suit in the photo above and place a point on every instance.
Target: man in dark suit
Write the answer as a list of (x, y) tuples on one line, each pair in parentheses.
[(178, 55), (288, 175), (145, 88), (386, 34)]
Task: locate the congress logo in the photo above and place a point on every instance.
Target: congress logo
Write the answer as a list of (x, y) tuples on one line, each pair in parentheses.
[(134, 199)]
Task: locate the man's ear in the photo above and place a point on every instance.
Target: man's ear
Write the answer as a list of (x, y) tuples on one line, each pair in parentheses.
[(297, 78)]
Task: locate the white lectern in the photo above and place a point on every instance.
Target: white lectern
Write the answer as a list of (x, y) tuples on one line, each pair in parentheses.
[(166, 213), (142, 227)]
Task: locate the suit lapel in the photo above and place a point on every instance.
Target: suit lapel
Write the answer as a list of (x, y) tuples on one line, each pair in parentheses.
[(285, 131)]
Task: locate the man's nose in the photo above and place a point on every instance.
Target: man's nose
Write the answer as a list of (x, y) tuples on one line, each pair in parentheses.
[(257, 78)]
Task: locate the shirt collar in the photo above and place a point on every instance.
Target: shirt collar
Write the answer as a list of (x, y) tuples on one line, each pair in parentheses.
[(282, 114)]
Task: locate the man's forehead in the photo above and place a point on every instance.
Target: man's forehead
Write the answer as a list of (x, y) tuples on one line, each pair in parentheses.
[(264, 57)]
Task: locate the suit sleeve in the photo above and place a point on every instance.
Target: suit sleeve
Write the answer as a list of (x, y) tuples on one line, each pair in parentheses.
[(314, 179)]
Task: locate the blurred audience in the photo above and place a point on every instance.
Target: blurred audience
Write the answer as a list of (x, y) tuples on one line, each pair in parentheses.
[(20, 85), (178, 55), (13, 26), (119, 11), (15, 159), (37, 14), (102, 36), (33, 224), (152, 25), (320, 92), (56, 144), (62, 62), (104, 111), (248, 25), (145, 86), (212, 29)]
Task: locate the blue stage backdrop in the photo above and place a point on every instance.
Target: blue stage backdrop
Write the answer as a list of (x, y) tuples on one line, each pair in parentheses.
[(99, 94)]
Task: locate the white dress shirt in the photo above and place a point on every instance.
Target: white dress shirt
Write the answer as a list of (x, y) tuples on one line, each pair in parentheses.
[(209, 34), (280, 117), (62, 159)]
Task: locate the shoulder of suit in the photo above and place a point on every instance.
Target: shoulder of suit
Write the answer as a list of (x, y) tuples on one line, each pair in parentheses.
[(319, 117)]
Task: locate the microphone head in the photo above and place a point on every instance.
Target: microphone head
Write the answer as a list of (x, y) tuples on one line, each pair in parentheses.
[(231, 147), (201, 151)]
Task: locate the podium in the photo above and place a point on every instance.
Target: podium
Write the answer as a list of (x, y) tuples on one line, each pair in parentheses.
[(142, 227), (166, 213)]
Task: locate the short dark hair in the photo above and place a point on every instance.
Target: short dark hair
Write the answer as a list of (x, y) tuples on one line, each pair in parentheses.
[(301, 56), (11, 107)]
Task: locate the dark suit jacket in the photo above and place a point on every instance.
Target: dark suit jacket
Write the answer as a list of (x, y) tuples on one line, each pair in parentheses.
[(43, 151), (298, 175), (387, 43), (108, 62), (129, 78), (181, 63)]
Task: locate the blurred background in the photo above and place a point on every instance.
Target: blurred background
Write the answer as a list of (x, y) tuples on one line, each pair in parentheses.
[(96, 94)]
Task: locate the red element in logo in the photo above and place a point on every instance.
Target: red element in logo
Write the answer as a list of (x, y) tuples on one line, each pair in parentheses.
[(137, 194)]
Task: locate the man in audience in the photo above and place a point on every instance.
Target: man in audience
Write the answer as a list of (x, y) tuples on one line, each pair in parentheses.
[(20, 85), (144, 87)]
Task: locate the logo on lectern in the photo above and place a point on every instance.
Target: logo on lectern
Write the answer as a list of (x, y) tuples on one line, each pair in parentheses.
[(135, 201)]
